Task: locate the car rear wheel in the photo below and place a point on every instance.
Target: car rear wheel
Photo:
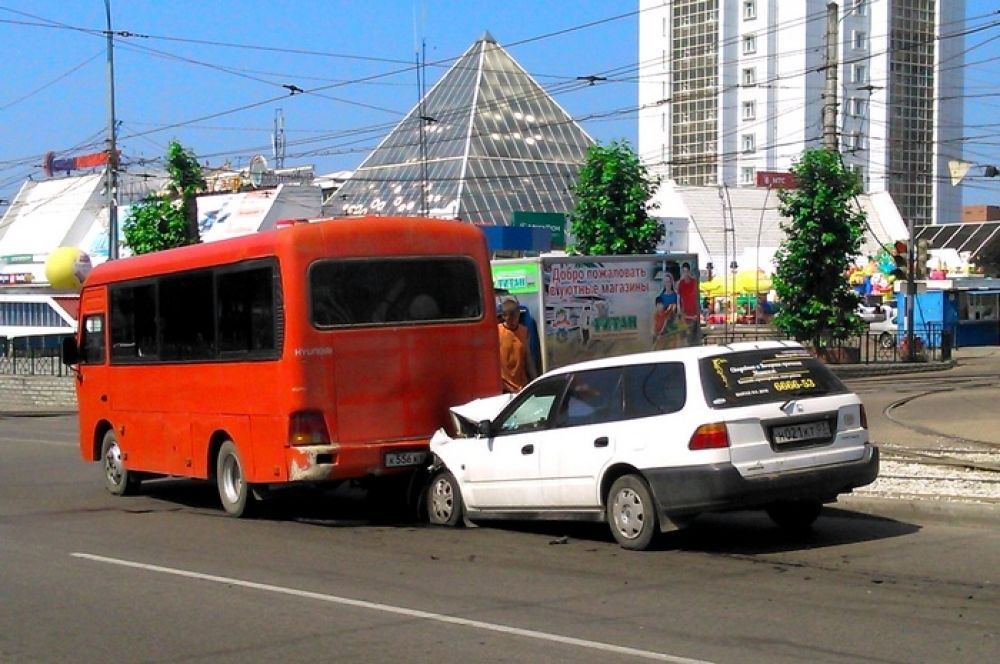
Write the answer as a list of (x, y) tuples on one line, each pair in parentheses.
[(632, 513), (444, 500), (118, 480), (796, 514), (234, 492)]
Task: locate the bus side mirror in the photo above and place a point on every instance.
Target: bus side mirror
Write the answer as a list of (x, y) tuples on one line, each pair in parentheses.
[(70, 352), (484, 428)]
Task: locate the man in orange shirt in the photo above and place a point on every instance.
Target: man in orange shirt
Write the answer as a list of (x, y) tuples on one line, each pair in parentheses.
[(517, 368)]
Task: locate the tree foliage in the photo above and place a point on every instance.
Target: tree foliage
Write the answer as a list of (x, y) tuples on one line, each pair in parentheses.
[(612, 203), (168, 219), (823, 235)]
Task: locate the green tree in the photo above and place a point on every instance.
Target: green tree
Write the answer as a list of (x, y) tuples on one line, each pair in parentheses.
[(169, 219), (823, 235), (612, 204)]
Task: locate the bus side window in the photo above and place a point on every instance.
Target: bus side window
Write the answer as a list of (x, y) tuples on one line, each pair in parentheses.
[(92, 346)]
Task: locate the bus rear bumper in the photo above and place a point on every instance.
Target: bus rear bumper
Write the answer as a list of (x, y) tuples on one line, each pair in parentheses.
[(312, 463), (336, 461)]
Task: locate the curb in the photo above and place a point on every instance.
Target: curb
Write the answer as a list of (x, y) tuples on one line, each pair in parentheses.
[(888, 368), (36, 413), (918, 509)]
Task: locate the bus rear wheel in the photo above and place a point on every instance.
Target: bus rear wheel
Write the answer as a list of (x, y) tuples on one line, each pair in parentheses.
[(118, 480), (235, 492)]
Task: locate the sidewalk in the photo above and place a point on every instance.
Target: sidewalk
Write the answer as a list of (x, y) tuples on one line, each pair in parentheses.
[(939, 437)]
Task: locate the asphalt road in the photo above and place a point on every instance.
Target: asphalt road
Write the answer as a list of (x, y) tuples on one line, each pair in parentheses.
[(86, 577)]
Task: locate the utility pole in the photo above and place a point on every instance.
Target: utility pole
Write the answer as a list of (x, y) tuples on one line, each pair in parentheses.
[(911, 289), (112, 174), (830, 92)]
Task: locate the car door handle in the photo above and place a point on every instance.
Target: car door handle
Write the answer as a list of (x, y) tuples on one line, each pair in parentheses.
[(528, 449), (601, 442)]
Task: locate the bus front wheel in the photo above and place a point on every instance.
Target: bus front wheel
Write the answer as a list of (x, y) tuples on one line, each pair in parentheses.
[(234, 491), (117, 478)]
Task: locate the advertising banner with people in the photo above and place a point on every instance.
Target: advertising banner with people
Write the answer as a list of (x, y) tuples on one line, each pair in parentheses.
[(589, 307)]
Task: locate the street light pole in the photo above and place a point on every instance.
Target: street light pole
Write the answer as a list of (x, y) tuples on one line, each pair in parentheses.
[(112, 173)]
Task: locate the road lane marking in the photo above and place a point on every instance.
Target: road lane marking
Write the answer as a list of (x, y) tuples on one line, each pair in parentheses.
[(398, 610)]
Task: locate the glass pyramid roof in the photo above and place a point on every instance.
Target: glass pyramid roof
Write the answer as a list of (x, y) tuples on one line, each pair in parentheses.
[(495, 143)]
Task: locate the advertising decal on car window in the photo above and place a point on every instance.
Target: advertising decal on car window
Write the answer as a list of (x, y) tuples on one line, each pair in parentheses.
[(754, 377)]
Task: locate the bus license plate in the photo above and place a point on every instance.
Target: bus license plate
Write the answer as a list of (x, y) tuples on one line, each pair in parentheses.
[(796, 433), (399, 459)]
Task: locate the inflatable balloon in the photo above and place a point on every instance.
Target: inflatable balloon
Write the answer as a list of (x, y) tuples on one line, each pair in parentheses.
[(67, 268)]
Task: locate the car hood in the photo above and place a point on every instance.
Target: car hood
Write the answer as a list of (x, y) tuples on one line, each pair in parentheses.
[(478, 410)]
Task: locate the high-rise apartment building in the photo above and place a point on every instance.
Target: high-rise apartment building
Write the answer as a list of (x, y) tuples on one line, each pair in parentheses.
[(728, 88)]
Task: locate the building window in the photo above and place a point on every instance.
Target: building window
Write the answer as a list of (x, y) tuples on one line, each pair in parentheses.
[(747, 175), (750, 76), (749, 110), (854, 141), (749, 9), (749, 142), (749, 44), (861, 7), (860, 39), (859, 73)]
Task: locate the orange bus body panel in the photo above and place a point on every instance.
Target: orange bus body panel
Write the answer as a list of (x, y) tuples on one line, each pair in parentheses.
[(379, 388)]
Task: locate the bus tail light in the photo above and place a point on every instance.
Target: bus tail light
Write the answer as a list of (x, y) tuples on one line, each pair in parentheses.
[(308, 427), (709, 437)]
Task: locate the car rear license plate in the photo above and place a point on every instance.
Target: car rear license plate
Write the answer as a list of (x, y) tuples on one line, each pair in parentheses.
[(798, 433), (399, 459)]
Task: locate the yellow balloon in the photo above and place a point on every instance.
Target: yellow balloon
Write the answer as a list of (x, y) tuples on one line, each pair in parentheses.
[(67, 267)]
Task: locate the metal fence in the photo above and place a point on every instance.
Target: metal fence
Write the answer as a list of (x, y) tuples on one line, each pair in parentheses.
[(931, 343), (33, 363)]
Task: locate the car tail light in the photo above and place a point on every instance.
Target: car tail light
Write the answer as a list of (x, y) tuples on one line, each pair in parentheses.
[(307, 427), (864, 416), (709, 437)]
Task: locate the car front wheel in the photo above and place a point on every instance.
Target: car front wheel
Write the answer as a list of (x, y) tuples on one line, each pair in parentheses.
[(632, 513), (444, 500), (795, 514)]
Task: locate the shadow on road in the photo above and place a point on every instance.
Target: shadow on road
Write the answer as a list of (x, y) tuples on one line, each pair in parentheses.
[(754, 533), (344, 506), (740, 533)]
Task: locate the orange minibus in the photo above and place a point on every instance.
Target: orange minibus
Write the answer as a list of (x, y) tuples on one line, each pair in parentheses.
[(322, 351)]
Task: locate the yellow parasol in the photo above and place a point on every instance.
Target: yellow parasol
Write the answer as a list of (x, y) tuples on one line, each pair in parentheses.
[(711, 287), (752, 281)]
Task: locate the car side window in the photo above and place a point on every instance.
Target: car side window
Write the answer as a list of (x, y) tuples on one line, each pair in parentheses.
[(92, 341), (533, 409), (593, 397), (654, 389)]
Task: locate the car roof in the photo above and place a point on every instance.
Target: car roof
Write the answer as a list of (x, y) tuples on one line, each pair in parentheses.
[(674, 355)]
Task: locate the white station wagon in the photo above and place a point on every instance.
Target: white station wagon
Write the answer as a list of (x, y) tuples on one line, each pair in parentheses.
[(646, 442)]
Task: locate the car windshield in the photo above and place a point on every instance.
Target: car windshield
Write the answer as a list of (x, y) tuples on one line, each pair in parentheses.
[(762, 376)]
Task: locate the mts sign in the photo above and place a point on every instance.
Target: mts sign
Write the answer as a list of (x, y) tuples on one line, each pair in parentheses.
[(776, 180)]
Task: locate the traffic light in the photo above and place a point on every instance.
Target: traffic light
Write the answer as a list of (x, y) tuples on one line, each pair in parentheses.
[(899, 258), (921, 266)]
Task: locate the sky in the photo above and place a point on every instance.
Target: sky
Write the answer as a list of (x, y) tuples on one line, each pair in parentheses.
[(210, 74)]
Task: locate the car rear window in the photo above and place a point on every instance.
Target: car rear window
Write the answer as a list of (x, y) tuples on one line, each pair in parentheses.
[(753, 377)]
